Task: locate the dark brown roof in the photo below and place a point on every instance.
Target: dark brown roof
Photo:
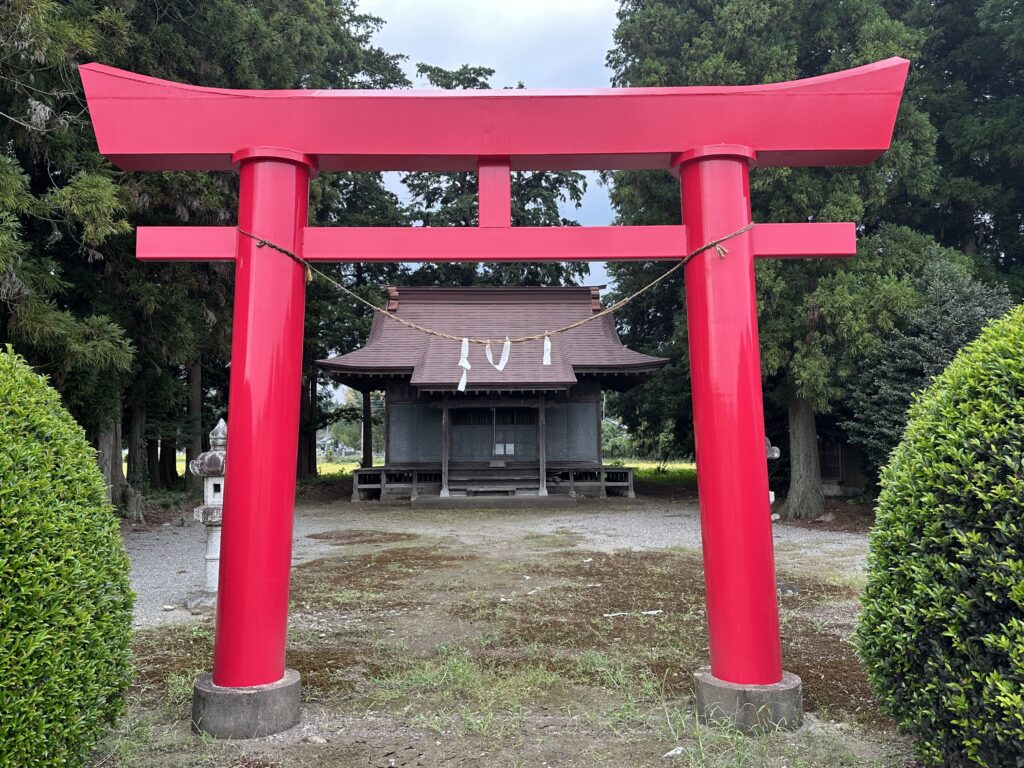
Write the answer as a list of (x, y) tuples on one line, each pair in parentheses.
[(488, 312)]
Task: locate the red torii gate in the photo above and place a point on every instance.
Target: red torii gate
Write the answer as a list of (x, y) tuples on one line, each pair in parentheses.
[(277, 140)]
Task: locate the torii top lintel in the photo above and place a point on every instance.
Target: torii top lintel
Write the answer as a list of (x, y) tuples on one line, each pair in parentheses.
[(844, 118)]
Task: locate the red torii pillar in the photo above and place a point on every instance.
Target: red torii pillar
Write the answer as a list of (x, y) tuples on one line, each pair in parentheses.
[(278, 139)]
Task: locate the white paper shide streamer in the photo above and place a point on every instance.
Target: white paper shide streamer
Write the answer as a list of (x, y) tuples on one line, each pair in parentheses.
[(464, 364), (506, 349)]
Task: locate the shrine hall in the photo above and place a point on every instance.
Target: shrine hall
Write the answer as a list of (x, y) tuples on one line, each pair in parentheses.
[(526, 423)]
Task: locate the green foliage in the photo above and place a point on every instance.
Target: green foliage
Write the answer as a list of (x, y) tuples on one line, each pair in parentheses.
[(955, 308), (819, 323), (65, 604), (616, 442), (967, 80), (816, 317), (113, 333), (58, 205), (942, 631)]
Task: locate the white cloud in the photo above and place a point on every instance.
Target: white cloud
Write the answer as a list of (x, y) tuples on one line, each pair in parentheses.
[(543, 43)]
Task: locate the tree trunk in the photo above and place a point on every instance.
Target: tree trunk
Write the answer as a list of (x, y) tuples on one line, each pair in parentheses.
[(106, 455), (805, 499), (311, 448), (153, 462), (137, 459), (168, 462), (302, 457), (367, 431), (971, 245), (117, 456), (122, 495), (194, 444), (129, 500)]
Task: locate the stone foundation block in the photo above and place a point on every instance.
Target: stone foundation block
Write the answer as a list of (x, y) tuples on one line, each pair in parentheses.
[(749, 707), (245, 713)]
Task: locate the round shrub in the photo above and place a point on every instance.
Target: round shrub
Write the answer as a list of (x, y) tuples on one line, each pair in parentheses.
[(942, 631), (65, 603)]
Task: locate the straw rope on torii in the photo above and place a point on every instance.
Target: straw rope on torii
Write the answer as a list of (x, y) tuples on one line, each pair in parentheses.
[(720, 249), (507, 342)]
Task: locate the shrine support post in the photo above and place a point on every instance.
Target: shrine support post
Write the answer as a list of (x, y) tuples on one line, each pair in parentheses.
[(250, 693), (745, 683)]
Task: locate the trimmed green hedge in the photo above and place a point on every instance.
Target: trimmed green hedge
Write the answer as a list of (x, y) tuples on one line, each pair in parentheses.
[(942, 632), (65, 603)]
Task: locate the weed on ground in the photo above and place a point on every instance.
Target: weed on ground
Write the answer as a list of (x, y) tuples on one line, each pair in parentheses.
[(351, 536), (370, 582)]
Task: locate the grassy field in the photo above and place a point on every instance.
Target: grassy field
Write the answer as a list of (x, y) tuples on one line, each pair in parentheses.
[(337, 467), (682, 473)]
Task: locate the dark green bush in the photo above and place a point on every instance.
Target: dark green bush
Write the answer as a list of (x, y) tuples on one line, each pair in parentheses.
[(65, 604), (942, 632)]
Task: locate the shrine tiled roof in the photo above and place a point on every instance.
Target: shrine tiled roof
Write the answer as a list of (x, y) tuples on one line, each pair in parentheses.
[(431, 363)]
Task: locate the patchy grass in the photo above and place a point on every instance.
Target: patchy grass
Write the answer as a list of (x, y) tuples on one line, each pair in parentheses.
[(633, 623), (351, 536), (530, 652), (454, 690), (835, 683), (630, 622), (166, 657), (345, 665), (367, 582), (560, 538)]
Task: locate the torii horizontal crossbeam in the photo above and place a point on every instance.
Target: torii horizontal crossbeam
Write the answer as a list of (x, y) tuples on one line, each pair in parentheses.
[(843, 118), (652, 243)]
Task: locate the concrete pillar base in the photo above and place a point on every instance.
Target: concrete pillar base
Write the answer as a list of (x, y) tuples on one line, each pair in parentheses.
[(749, 707), (245, 713)]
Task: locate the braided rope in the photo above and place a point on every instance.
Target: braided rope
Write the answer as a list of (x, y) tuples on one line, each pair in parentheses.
[(720, 249)]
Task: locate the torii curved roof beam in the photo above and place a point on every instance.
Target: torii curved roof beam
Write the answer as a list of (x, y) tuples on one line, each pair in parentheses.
[(844, 118)]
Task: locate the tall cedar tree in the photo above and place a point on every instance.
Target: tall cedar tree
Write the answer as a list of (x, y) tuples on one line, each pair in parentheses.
[(77, 304), (968, 80), (817, 318)]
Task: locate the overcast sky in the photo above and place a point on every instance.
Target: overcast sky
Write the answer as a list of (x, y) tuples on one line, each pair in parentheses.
[(541, 43)]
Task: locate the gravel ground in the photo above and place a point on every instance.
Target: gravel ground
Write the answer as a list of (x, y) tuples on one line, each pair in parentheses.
[(168, 565)]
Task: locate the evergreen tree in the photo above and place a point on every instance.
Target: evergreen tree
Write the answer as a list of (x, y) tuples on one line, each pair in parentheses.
[(111, 332), (335, 324), (816, 318), (955, 307), (968, 79), (60, 205)]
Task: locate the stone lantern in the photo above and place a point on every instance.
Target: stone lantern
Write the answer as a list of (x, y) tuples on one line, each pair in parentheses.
[(210, 466)]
